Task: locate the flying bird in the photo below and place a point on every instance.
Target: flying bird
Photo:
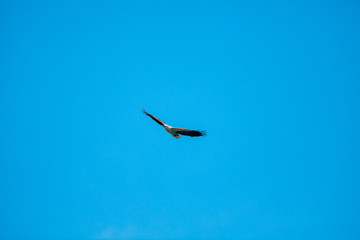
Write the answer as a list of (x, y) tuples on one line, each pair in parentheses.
[(176, 131)]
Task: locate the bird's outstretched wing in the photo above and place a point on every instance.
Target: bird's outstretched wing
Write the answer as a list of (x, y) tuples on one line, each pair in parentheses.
[(189, 132), (154, 118)]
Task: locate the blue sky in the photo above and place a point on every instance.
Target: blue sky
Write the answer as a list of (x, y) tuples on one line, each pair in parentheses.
[(276, 86)]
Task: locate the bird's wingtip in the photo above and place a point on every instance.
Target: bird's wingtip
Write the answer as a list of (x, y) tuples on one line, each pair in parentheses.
[(203, 133)]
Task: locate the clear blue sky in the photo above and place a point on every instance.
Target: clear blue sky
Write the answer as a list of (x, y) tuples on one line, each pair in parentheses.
[(276, 85)]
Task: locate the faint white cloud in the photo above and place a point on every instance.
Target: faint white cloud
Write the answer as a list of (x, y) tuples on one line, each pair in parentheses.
[(129, 231)]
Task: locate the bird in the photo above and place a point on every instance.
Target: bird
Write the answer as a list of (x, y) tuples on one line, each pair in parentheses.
[(174, 131)]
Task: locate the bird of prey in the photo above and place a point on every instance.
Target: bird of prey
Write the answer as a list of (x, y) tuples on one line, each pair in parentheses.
[(176, 131)]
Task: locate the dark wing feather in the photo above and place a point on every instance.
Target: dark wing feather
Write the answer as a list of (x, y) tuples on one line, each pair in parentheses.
[(191, 133), (154, 118)]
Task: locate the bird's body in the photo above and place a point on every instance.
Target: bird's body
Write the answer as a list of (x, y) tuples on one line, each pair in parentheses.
[(175, 132), (172, 131)]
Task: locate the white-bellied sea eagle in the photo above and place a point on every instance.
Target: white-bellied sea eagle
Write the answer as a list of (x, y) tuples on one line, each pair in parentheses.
[(176, 131)]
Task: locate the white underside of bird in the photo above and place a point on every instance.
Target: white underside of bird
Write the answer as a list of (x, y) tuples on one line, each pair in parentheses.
[(172, 131)]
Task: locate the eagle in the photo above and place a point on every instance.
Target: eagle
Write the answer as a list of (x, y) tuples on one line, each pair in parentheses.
[(176, 131)]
